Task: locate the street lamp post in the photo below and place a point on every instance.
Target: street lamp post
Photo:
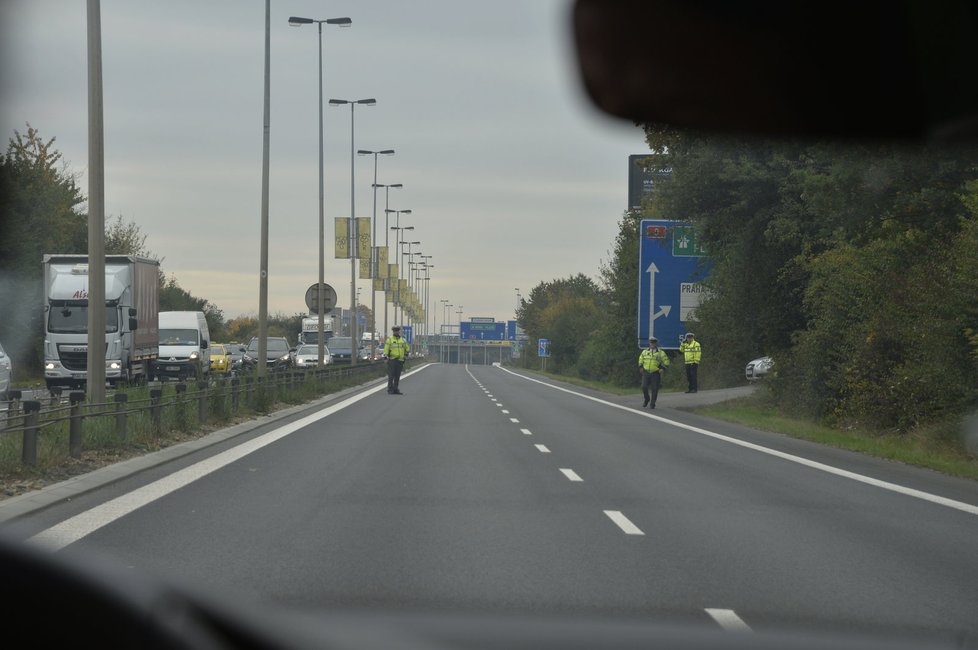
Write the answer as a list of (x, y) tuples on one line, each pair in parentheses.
[(387, 211), (400, 230), (408, 269), (298, 21), (446, 320), (424, 260), (353, 225), (373, 249), (458, 313)]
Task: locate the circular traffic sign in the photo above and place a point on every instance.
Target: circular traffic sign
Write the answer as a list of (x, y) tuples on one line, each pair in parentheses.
[(312, 298)]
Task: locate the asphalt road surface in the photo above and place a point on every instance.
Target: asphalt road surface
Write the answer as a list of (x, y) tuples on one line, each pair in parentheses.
[(481, 490)]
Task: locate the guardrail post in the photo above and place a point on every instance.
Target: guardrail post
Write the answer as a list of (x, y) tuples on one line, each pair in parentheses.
[(32, 411), (55, 395), (155, 410), (235, 395), (202, 402), (121, 404), (13, 410), (76, 398)]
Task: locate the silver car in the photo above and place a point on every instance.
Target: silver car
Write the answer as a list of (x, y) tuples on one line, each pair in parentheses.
[(307, 356), (6, 371), (759, 368)]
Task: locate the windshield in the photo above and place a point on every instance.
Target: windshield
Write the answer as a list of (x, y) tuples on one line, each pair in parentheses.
[(73, 319), (179, 337), (648, 368)]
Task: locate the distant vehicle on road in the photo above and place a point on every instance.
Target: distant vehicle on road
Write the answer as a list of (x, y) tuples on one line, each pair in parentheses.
[(307, 356), (131, 318), (310, 329), (220, 358), (341, 349), (278, 356), (184, 345)]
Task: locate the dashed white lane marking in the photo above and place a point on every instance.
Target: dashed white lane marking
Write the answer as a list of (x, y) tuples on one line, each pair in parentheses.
[(623, 522), (505, 411), (829, 469), (542, 449), (526, 432), (87, 522), (493, 399), (514, 420), (571, 475), (728, 620)]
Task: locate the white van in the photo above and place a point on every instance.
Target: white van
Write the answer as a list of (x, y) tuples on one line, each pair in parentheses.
[(184, 344)]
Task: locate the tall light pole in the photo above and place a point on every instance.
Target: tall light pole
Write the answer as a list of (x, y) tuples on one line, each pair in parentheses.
[(298, 21), (458, 313), (387, 226), (373, 248), (408, 270), (425, 258), (447, 320), (397, 256), (353, 225)]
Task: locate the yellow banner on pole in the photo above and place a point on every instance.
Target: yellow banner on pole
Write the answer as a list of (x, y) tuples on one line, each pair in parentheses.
[(365, 268), (382, 266), (392, 274), (363, 238), (378, 284), (342, 225)]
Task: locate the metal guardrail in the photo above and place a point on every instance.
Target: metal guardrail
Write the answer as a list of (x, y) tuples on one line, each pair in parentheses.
[(158, 407)]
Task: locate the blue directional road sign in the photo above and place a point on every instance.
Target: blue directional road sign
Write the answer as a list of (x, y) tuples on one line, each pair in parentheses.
[(407, 331), (543, 347), (672, 266), (475, 331)]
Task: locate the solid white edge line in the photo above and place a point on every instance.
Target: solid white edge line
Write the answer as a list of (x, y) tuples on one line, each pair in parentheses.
[(571, 475), (83, 524), (623, 522), (886, 485), (728, 620), (542, 449)]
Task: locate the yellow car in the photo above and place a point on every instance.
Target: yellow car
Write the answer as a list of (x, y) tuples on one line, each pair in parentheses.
[(220, 358)]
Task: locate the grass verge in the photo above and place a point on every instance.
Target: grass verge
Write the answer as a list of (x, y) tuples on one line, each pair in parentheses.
[(938, 446)]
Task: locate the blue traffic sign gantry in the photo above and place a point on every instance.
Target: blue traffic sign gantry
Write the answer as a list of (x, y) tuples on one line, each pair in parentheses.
[(672, 266)]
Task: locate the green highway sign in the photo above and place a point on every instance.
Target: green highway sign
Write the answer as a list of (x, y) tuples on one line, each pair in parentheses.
[(685, 243)]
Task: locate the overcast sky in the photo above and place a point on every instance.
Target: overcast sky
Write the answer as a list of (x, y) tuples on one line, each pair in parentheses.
[(511, 176)]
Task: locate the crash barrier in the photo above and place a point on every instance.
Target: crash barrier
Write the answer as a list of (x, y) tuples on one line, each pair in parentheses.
[(43, 433)]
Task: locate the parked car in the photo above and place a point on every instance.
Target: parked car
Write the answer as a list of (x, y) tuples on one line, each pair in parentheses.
[(220, 358), (307, 356), (6, 373), (277, 353), (759, 368)]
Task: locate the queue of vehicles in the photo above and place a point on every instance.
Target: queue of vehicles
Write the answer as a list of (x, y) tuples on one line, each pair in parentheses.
[(143, 343)]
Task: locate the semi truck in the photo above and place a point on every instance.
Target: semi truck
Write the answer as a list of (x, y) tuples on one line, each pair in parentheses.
[(310, 329), (131, 318)]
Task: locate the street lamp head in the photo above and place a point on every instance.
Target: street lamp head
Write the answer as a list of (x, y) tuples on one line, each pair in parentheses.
[(406, 212), (342, 22), (338, 102), (296, 21), (367, 102)]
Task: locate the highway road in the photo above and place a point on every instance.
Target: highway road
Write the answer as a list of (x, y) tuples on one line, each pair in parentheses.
[(482, 490)]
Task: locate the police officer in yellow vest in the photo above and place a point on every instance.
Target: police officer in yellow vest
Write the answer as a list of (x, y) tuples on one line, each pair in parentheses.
[(652, 363), (396, 350), (691, 352)]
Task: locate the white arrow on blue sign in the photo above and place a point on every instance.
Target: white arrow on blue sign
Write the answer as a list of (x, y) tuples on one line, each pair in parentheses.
[(663, 270), (543, 347)]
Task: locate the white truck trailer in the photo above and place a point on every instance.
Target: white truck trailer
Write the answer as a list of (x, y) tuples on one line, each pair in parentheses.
[(131, 318)]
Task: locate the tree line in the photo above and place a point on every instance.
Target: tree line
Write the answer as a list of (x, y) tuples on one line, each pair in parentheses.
[(855, 266)]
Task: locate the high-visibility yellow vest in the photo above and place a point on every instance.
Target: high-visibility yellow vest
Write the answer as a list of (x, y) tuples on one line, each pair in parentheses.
[(653, 361), (396, 347), (691, 351)]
